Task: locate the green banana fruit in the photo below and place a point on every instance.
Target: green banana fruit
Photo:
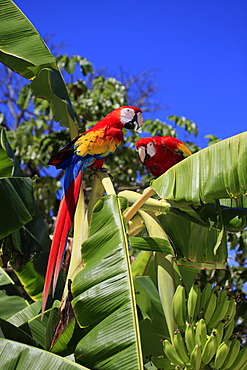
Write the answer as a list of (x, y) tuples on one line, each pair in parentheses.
[(179, 306), (210, 308), (222, 353), (189, 337), (209, 349), (232, 355), (221, 309), (229, 329), (206, 294), (231, 312), (219, 330), (180, 347), (240, 360), (196, 357), (193, 302), (201, 333), (171, 353)]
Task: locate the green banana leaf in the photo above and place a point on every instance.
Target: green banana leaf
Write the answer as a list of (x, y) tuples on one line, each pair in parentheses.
[(104, 297), (42, 330), (153, 326), (68, 339), (195, 245), (17, 356), (9, 165), (10, 331), (22, 225), (5, 279), (146, 284), (159, 362), (10, 304), (151, 244), (23, 316), (49, 84), (216, 172), (33, 237), (27, 327), (234, 218), (31, 280), (23, 50), (141, 264), (10, 300), (6, 165), (17, 204)]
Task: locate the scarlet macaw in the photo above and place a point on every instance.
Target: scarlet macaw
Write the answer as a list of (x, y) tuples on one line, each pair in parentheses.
[(90, 149), (158, 154)]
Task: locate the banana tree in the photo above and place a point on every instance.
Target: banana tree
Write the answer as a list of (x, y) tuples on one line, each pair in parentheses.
[(113, 313), (107, 274)]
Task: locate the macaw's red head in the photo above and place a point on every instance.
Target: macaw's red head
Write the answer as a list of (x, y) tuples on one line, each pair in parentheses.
[(125, 117), (158, 154)]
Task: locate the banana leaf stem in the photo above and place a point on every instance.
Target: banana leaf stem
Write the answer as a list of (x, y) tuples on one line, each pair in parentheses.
[(137, 205), (106, 182)]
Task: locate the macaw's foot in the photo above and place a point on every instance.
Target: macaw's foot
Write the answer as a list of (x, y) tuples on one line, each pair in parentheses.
[(99, 170)]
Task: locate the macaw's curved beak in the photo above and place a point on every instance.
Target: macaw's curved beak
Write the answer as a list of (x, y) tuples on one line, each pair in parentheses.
[(142, 153), (137, 120)]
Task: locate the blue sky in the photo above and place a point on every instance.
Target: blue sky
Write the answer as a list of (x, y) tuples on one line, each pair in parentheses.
[(198, 49)]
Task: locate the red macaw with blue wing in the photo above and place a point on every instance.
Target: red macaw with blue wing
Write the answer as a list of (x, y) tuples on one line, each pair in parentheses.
[(90, 149)]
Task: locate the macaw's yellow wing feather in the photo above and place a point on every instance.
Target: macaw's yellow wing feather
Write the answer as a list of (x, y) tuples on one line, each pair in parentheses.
[(183, 149), (98, 143)]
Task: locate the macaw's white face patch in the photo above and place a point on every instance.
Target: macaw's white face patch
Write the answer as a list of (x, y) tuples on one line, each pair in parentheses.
[(126, 115), (151, 149)]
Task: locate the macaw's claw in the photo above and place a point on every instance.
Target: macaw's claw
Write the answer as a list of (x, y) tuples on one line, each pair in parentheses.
[(95, 170), (103, 169)]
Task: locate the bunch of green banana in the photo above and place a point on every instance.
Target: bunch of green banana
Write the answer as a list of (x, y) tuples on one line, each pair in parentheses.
[(185, 353), (205, 320), (212, 304)]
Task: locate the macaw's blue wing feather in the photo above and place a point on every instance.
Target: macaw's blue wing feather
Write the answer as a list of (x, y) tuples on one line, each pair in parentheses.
[(72, 172), (64, 157)]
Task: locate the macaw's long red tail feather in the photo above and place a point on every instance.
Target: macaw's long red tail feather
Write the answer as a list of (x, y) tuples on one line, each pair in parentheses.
[(63, 224)]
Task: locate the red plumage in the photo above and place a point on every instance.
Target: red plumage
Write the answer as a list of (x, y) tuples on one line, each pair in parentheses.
[(87, 150), (158, 154)]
